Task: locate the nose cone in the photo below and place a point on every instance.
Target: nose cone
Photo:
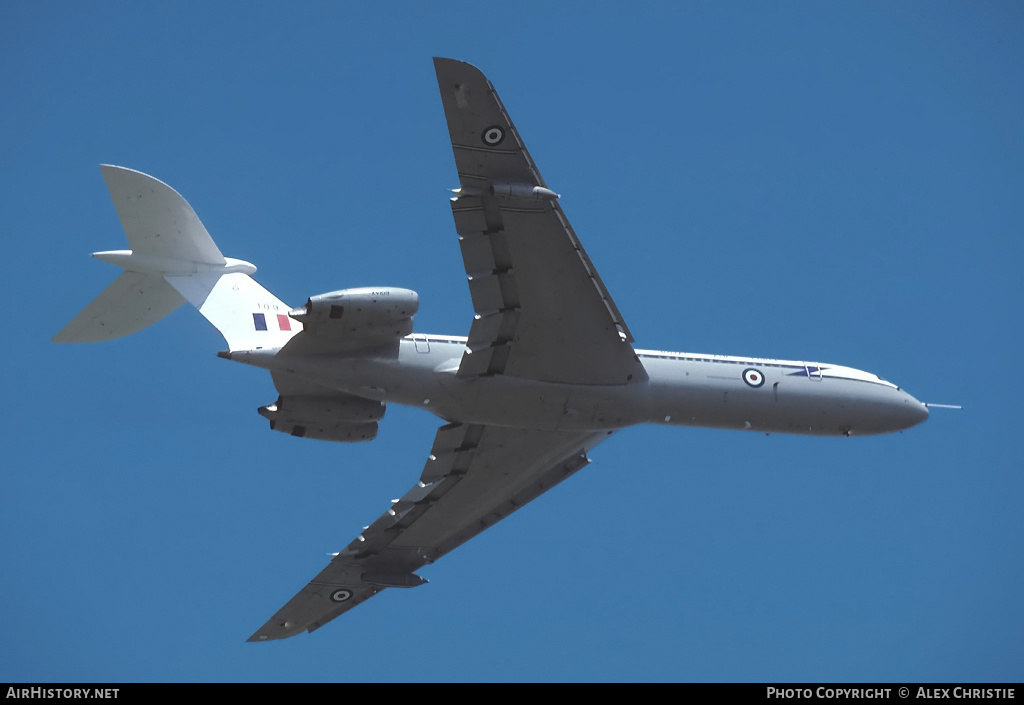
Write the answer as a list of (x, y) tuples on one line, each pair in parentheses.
[(909, 411)]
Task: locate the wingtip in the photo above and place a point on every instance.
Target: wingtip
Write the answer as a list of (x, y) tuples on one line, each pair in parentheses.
[(440, 61)]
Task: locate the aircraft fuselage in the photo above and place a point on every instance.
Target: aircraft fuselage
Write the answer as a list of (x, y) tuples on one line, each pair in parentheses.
[(683, 389)]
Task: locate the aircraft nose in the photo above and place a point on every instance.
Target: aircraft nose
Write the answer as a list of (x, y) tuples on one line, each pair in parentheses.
[(912, 412)]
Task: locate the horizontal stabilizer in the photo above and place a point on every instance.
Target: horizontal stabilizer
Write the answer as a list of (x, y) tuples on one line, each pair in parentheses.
[(133, 302), (156, 219)]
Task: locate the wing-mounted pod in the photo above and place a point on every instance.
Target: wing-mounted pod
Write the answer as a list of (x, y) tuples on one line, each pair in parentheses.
[(368, 313), (343, 418)]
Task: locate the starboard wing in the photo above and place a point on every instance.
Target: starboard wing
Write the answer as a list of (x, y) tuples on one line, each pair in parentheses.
[(475, 476)]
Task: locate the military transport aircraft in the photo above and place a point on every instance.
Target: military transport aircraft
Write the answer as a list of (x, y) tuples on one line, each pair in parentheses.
[(547, 372)]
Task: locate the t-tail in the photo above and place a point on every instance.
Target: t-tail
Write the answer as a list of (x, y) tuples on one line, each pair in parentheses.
[(172, 260)]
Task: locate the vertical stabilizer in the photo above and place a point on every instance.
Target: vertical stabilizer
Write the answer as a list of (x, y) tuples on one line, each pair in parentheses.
[(247, 315)]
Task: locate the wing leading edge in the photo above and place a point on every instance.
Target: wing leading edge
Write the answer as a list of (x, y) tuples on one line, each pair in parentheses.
[(475, 476)]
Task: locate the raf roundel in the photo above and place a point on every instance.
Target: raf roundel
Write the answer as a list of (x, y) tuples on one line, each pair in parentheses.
[(341, 595), (755, 378), (493, 136)]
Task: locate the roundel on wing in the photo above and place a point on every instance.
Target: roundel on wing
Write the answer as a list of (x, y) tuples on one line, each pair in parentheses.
[(753, 376), (341, 595), (493, 136)]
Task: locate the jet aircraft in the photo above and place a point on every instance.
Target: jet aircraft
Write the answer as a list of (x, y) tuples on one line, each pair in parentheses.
[(547, 371)]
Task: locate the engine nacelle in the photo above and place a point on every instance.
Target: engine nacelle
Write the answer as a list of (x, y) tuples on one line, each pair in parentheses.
[(368, 312), (340, 408), (345, 419)]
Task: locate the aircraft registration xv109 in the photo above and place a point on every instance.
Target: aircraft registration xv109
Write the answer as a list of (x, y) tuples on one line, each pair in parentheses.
[(547, 371)]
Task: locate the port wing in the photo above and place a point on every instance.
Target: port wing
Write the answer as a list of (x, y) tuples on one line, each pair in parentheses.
[(542, 311)]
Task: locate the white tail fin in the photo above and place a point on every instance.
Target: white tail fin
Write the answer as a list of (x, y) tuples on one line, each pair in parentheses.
[(174, 259)]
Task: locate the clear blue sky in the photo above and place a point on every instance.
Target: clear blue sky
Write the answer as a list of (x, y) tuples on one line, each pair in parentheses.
[(841, 182)]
